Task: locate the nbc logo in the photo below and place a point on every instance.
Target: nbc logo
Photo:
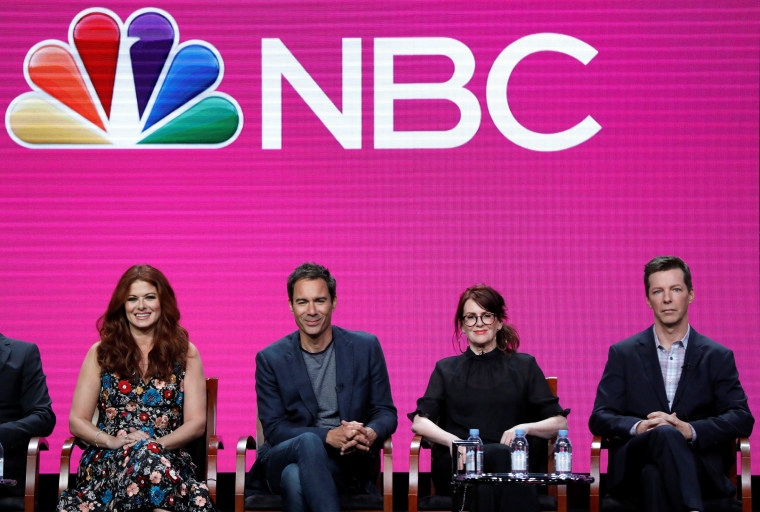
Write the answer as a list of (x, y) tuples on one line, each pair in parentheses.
[(123, 85)]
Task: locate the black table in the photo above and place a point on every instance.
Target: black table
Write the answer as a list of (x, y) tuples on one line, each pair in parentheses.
[(460, 483)]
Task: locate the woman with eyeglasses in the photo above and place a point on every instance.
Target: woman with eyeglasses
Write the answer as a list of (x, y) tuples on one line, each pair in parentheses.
[(491, 387)]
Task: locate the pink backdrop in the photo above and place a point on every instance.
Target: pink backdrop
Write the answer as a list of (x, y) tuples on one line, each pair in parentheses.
[(563, 235)]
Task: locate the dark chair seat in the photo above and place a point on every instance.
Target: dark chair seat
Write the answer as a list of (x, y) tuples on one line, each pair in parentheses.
[(12, 503), (434, 502), (437, 502), (347, 502), (609, 503), (612, 504)]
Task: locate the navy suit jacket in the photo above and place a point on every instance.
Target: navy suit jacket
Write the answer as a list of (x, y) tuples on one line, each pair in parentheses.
[(709, 397), (25, 406), (287, 406)]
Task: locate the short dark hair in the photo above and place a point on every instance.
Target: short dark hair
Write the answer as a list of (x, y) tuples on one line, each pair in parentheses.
[(662, 263), (311, 271)]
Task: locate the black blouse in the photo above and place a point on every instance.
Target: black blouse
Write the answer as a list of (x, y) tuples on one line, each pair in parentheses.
[(492, 392)]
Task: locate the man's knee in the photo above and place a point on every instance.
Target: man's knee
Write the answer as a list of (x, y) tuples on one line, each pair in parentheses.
[(666, 435), (309, 443)]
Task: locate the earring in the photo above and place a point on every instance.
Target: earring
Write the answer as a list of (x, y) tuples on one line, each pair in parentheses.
[(459, 343)]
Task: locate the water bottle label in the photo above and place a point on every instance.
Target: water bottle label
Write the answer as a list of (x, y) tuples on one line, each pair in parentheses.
[(519, 461), (563, 462), (470, 461)]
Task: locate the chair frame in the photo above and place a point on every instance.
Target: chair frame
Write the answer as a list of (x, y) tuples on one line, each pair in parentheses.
[(741, 445), (32, 486), (212, 441), (249, 443), (559, 492), (29, 501)]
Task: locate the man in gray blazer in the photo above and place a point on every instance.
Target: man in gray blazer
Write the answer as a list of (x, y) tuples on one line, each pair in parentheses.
[(670, 401), (25, 407), (324, 401)]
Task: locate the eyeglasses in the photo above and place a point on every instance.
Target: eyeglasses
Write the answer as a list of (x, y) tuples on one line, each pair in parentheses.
[(471, 320)]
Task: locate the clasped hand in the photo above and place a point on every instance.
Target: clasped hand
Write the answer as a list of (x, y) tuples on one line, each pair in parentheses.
[(130, 438), (351, 436), (659, 418)]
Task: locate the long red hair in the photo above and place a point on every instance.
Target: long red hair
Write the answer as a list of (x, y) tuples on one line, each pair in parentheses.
[(118, 353)]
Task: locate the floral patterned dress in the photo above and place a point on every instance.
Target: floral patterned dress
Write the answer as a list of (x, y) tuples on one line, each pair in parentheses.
[(146, 475)]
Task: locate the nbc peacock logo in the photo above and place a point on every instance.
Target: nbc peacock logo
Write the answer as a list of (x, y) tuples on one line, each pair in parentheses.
[(123, 85)]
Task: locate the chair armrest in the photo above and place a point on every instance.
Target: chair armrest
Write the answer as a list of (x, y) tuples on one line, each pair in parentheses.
[(746, 473), (595, 471), (212, 454), (414, 472), (63, 477), (244, 444), (36, 445), (388, 475)]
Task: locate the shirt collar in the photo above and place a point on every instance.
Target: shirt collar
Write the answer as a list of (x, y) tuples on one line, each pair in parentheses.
[(684, 341)]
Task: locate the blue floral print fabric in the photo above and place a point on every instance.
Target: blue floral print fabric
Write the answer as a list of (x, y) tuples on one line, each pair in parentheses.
[(146, 475)]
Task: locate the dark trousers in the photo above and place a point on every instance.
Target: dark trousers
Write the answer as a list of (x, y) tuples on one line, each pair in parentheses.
[(490, 498), (662, 474), (309, 475)]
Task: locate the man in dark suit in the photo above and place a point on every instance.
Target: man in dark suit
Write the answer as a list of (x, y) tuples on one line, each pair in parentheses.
[(324, 401), (25, 407), (671, 403)]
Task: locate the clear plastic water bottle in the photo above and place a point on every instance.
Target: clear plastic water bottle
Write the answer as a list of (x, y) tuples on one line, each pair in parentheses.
[(2, 460), (474, 454), (563, 454), (519, 453)]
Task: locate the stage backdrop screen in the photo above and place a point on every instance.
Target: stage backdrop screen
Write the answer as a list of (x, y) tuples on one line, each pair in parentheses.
[(548, 149)]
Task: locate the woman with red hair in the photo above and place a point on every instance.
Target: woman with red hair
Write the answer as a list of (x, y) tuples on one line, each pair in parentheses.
[(145, 380)]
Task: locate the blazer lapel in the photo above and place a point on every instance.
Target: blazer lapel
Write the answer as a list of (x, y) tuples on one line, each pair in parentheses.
[(652, 371), (5, 351), (694, 352), (344, 366), (299, 376)]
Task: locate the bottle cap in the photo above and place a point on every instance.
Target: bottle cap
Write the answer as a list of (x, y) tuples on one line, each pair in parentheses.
[(519, 432), (563, 433), (474, 431)]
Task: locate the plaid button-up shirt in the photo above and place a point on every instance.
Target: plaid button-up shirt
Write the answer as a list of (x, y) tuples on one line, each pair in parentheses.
[(671, 363)]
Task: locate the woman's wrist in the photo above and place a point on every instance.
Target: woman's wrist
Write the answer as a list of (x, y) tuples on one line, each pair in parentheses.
[(95, 440)]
